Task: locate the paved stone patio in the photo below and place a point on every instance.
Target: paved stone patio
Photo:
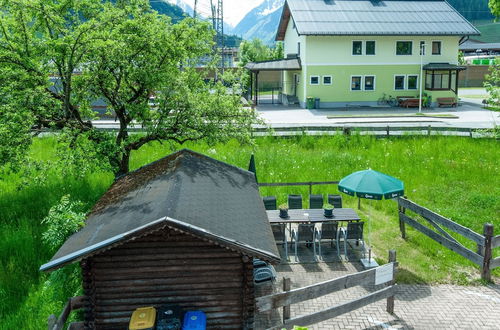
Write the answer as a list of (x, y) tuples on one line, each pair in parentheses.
[(416, 306)]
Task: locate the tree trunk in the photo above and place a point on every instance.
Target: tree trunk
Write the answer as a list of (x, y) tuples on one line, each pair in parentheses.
[(123, 167)]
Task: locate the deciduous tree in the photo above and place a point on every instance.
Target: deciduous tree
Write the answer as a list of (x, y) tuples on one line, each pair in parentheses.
[(145, 68)]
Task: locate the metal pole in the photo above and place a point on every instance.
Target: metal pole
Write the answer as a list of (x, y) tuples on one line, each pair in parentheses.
[(422, 50)]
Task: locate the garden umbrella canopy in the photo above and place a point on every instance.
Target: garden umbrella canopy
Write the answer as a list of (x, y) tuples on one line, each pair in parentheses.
[(371, 184)]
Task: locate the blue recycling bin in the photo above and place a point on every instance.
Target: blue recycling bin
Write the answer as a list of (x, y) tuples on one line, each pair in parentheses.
[(194, 320)]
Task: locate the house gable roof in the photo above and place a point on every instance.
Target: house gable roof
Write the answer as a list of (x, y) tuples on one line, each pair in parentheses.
[(186, 191), (364, 17)]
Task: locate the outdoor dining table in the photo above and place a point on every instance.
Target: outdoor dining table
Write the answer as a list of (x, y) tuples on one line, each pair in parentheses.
[(312, 216)]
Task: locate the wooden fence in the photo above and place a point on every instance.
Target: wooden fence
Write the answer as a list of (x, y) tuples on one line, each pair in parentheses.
[(289, 184), (485, 242), (376, 130), (380, 275), (57, 323)]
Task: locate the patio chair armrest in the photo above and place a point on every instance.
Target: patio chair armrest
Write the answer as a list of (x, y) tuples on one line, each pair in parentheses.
[(341, 232), (317, 234), (294, 235)]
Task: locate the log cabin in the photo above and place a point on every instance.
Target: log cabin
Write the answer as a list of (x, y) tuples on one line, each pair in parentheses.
[(183, 230)]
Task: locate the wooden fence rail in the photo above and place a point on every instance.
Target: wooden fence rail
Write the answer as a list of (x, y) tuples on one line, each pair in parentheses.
[(485, 243), (347, 130), (289, 184), (57, 323), (380, 275)]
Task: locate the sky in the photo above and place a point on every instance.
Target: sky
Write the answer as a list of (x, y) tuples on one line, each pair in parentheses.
[(234, 10)]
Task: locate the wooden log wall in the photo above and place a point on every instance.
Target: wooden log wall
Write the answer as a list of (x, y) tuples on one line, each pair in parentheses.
[(169, 267)]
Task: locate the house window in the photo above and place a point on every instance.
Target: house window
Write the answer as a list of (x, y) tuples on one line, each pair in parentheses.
[(436, 48), (369, 83), (438, 80), (327, 80), (422, 47), (357, 48), (356, 83), (399, 82), (412, 81), (314, 80), (370, 48), (403, 47)]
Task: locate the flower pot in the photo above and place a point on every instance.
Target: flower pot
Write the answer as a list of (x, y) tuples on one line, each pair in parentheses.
[(283, 213), (328, 213)]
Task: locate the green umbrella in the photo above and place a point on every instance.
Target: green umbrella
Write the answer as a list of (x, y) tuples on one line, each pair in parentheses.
[(371, 184)]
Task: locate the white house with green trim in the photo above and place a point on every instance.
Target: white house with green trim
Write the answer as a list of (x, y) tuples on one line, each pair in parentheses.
[(352, 52)]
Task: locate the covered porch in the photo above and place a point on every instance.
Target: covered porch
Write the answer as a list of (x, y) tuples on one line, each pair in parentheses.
[(292, 63)]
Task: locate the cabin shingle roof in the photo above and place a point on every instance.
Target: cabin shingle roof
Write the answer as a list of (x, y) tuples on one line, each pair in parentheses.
[(186, 191)]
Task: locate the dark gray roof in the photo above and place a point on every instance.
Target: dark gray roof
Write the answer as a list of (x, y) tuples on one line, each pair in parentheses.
[(471, 45), (443, 66), (186, 191), (363, 17), (275, 65)]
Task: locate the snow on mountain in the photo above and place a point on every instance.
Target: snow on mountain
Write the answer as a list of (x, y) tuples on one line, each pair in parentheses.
[(261, 22)]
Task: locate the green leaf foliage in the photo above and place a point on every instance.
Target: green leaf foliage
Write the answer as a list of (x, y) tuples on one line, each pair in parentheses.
[(63, 220), (145, 68)]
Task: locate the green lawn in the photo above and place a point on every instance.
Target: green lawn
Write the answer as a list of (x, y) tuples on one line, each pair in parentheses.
[(456, 177)]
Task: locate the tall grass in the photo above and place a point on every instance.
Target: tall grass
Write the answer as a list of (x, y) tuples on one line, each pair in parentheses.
[(457, 177)]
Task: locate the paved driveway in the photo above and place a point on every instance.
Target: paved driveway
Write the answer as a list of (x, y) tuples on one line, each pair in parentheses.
[(416, 306), (470, 114)]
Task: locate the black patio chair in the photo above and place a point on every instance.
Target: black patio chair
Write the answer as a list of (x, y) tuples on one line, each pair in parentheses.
[(335, 200), (294, 202), (353, 231), (305, 234), (315, 201), (279, 232), (270, 202), (329, 231)]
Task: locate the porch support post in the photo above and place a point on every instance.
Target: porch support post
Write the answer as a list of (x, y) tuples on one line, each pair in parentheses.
[(250, 94), (256, 100)]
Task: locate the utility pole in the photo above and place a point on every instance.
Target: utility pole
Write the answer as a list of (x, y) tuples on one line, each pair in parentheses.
[(220, 31)]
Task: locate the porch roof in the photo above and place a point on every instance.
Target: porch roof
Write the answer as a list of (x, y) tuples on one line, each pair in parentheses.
[(443, 66), (275, 65)]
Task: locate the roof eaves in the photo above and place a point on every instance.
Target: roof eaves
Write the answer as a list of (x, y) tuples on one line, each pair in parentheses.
[(94, 248), (242, 247)]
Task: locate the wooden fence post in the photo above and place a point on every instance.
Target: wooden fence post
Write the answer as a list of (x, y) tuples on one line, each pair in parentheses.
[(52, 321), (402, 226), (388, 130), (286, 309), (485, 269), (390, 300)]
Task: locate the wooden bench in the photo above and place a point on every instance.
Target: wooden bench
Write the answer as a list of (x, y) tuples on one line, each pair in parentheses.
[(450, 101), (401, 99), (410, 103)]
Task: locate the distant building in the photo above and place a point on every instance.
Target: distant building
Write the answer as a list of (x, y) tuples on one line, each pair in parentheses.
[(354, 52)]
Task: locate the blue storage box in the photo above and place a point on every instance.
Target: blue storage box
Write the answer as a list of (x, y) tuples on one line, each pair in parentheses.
[(194, 320)]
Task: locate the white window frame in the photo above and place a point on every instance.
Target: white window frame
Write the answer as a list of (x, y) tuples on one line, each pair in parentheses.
[(396, 48), (360, 83), (367, 48), (394, 82), (440, 47), (310, 80), (420, 47), (323, 80), (352, 48), (408, 80), (374, 82)]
